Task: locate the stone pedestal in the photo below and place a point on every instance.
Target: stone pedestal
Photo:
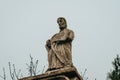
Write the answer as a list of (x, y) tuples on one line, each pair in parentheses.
[(67, 73)]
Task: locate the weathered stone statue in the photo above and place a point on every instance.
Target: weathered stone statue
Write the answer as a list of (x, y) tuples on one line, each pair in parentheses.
[(59, 47), (59, 56)]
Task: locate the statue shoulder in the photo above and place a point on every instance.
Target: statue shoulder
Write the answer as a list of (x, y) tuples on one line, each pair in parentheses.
[(70, 35), (69, 31)]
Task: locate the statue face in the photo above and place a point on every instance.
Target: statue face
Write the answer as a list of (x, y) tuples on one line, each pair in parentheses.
[(62, 23)]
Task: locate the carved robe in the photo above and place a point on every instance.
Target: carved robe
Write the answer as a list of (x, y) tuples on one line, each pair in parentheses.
[(59, 49)]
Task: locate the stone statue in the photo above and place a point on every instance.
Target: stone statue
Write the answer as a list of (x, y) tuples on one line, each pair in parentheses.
[(59, 47)]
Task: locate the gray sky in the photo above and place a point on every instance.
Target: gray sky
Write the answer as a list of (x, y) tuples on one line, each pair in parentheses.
[(25, 25)]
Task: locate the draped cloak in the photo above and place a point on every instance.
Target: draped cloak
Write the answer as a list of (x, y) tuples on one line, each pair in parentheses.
[(60, 53)]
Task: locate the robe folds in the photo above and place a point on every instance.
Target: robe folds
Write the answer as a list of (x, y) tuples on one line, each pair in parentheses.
[(59, 49)]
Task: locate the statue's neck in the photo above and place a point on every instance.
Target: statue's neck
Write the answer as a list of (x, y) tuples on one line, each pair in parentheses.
[(61, 29)]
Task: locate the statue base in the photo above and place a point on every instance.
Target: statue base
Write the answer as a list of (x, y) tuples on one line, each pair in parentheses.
[(67, 73)]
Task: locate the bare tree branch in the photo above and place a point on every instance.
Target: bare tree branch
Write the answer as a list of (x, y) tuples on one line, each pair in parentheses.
[(11, 73), (4, 75), (15, 72), (32, 67)]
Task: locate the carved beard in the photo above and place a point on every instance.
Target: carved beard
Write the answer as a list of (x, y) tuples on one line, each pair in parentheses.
[(62, 26)]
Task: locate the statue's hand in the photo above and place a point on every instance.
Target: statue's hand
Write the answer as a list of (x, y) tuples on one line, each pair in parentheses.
[(48, 43)]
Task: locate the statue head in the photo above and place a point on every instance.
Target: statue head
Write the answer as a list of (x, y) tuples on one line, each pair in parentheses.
[(62, 23)]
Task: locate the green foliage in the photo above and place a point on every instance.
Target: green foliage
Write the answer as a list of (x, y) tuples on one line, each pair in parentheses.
[(115, 73)]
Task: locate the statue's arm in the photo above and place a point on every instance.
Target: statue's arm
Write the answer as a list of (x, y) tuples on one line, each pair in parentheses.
[(64, 36), (68, 36)]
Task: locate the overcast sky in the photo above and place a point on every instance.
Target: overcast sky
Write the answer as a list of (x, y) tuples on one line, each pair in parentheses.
[(25, 25)]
